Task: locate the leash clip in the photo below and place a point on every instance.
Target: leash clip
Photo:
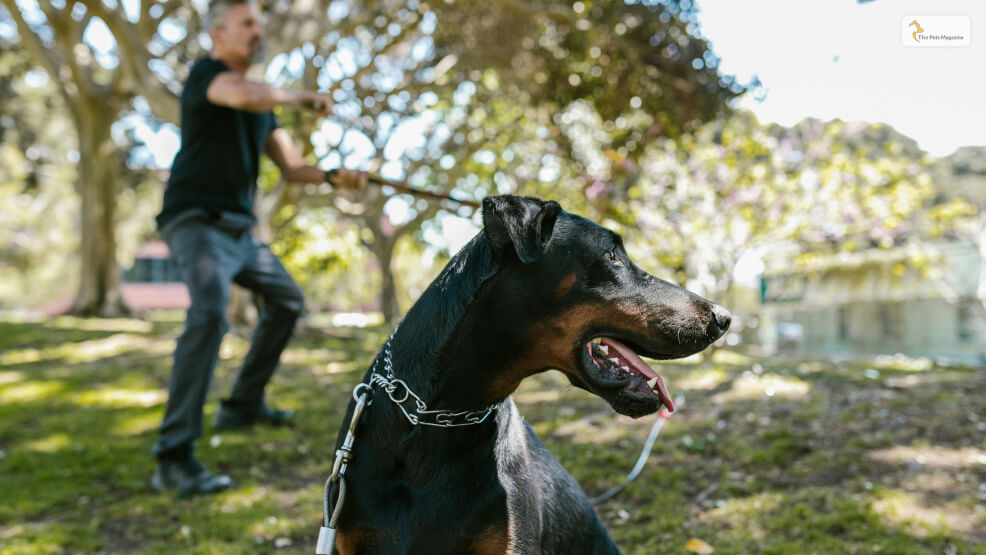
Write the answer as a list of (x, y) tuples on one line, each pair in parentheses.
[(327, 533), (326, 541)]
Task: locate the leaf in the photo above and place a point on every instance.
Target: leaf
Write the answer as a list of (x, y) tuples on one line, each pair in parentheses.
[(696, 545)]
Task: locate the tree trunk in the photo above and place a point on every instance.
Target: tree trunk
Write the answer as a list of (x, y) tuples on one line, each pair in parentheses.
[(385, 237), (99, 292), (388, 285)]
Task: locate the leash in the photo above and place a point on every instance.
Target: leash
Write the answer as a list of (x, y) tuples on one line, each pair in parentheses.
[(662, 417), (399, 393), (405, 188)]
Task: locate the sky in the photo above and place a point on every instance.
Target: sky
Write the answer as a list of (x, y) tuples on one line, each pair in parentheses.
[(839, 59)]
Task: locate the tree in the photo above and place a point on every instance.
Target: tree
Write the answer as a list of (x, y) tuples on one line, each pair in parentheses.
[(98, 81), (444, 70), (621, 57), (95, 85)]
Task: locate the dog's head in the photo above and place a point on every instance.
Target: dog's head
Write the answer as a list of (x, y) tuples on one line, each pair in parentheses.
[(568, 297)]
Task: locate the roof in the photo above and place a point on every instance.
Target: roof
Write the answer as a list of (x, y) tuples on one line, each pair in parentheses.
[(922, 272)]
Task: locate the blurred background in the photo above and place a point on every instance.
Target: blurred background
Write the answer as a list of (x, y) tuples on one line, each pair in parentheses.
[(801, 163), (815, 174)]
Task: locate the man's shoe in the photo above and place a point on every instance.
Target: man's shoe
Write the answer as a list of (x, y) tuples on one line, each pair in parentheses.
[(228, 418), (187, 477)]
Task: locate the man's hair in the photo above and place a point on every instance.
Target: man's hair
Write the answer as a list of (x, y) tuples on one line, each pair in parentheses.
[(217, 11)]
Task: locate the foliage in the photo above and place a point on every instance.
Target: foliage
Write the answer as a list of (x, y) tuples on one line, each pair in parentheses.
[(39, 235), (623, 58), (962, 176), (735, 189), (616, 109), (771, 456), (96, 82), (37, 231), (396, 70), (417, 100)]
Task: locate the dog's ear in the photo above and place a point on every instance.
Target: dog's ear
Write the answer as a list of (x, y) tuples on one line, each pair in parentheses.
[(521, 222)]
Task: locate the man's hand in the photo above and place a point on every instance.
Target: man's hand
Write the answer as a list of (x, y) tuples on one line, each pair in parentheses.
[(319, 103), (349, 179)]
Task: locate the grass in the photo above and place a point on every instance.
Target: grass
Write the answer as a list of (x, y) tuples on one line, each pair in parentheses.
[(768, 456)]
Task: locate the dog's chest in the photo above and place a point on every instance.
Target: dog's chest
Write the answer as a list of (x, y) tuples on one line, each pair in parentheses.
[(490, 541), (420, 500)]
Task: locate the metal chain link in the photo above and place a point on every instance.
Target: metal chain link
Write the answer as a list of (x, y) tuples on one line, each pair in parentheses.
[(399, 393)]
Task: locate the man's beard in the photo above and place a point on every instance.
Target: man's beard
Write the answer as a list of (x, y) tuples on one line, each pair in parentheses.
[(259, 52)]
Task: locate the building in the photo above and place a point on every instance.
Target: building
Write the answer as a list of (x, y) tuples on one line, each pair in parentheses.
[(153, 282), (918, 301)]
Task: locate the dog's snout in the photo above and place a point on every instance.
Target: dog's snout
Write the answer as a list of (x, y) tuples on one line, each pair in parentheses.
[(721, 318)]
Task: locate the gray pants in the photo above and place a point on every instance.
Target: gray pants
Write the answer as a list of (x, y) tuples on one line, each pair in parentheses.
[(210, 260)]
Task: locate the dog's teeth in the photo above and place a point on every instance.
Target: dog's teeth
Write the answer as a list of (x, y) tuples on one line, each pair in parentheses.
[(604, 349), (652, 382), (613, 361)]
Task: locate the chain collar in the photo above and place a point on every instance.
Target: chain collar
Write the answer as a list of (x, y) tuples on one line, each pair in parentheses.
[(418, 413), (399, 394)]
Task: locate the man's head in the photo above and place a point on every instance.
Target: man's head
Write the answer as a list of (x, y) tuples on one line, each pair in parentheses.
[(236, 29)]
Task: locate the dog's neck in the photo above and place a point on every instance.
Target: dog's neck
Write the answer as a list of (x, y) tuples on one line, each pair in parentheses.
[(437, 352)]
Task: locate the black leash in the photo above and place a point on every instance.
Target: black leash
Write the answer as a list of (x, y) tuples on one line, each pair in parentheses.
[(407, 189)]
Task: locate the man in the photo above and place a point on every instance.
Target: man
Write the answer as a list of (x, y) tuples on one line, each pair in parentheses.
[(226, 121)]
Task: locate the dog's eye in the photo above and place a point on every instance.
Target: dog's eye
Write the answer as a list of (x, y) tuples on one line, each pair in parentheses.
[(613, 257)]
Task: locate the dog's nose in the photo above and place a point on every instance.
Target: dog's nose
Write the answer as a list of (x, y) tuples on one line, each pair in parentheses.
[(722, 318)]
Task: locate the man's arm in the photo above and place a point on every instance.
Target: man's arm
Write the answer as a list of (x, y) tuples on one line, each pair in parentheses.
[(285, 155), (235, 91)]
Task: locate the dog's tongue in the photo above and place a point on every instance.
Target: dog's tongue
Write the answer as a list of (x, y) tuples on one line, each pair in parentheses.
[(638, 366)]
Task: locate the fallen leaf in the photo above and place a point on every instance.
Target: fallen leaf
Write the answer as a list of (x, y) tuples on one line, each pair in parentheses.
[(696, 545)]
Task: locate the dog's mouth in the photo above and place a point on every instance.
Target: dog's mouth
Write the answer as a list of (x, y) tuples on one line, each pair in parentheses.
[(616, 372)]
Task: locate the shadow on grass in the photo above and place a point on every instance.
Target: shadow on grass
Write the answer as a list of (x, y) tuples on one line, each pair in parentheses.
[(75, 443), (23, 335), (771, 457)]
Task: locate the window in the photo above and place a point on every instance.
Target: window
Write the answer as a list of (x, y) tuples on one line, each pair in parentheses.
[(889, 318), (152, 270), (963, 325), (843, 323)]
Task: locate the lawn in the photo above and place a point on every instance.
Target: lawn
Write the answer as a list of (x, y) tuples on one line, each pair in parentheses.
[(768, 456)]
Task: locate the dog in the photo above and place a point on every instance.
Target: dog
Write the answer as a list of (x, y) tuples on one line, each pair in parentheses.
[(537, 289)]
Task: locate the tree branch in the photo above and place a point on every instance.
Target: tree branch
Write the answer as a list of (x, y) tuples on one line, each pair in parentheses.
[(303, 21), (65, 30), (134, 58), (32, 43), (42, 54)]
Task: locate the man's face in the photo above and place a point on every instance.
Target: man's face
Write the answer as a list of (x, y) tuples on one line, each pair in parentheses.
[(240, 34)]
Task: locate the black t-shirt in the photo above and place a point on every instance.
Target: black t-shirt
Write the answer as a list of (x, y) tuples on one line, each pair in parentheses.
[(217, 165)]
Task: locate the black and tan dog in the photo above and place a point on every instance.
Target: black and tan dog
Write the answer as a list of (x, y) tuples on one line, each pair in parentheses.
[(537, 289)]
